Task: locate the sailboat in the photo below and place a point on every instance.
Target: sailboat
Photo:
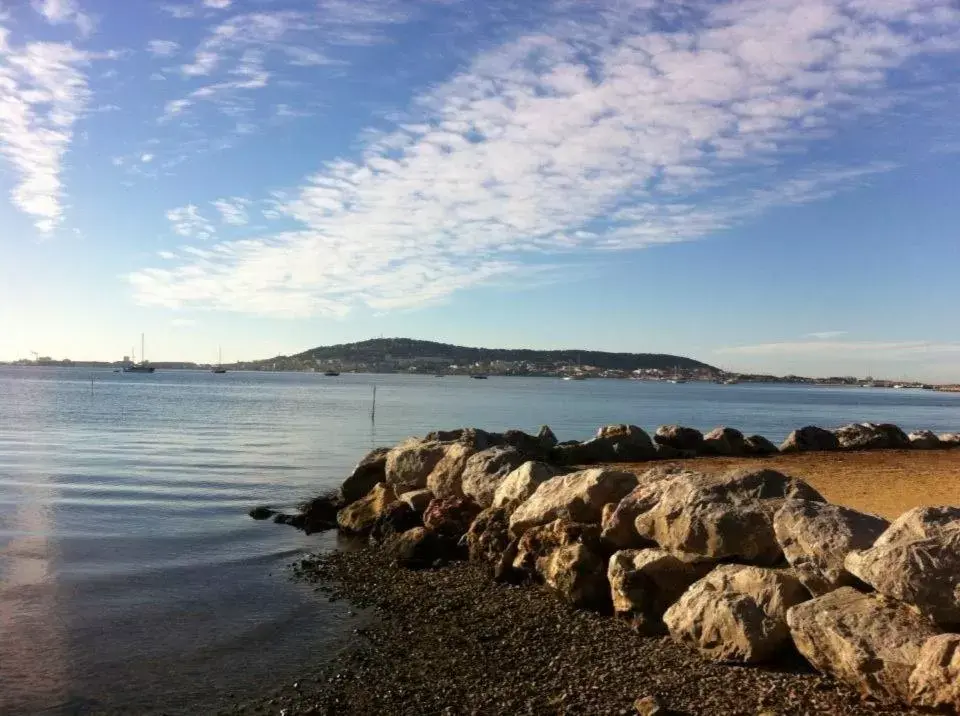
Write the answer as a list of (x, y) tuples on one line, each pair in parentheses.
[(142, 366), (219, 367), (677, 378)]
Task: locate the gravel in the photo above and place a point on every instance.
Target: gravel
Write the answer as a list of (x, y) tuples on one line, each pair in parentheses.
[(452, 641)]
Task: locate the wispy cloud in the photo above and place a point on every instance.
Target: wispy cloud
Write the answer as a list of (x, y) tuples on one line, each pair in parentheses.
[(188, 222), (825, 335), (43, 91), (162, 48), (845, 349), (183, 322), (233, 211), (601, 134), (58, 12)]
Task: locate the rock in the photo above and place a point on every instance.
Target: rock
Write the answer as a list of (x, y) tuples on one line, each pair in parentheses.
[(724, 441), (725, 516), (446, 478), (871, 436), (737, 613), (917, 561), (679, 437), (368, 472), (644, 583), (619, 529), (865, 640), (418, 499), (320, 513), (397, 518), (472, 437), (485, 470), (488, 536), (578, 497), (360, 516), (573, 452), (569, 558), (810, 439), (759, 445), (262, 513), (649, 706), (935, 681), (296, 521), (949, 440), (546, 437), (529, 446), (419, 547), (626, 443), (521, 483), (924, 440), (409, 463), (816, 537), (451, 516)]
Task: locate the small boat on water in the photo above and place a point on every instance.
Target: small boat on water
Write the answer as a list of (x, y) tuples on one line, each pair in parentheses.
[(331, 373), (574, 377), (142, 366), (479, 377), (218, 368)]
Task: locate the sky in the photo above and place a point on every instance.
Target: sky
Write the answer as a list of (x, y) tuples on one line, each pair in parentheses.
[(764, 185)]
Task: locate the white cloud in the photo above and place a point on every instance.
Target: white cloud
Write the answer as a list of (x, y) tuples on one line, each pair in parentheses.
[(183, 322), (167, 255), (58, 12), (162, 48), (187, 221), (217, 4), (584, 136), (825, 335), (146, 158), (233, 211), (42, 94)]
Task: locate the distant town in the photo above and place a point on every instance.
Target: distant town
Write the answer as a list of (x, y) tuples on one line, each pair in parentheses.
[(429, 358)]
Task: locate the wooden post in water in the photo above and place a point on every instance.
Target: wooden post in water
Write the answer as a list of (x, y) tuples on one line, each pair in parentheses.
[(373, 408)]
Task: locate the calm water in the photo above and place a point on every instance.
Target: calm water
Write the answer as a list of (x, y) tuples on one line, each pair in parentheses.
[(130, 576)]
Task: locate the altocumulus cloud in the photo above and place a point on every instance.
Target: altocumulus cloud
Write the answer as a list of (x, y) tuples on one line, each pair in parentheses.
[(586, 135)]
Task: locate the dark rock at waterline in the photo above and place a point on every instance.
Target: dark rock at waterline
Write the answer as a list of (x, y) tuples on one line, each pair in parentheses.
[(399, 517), (546, 436), (810, 439), (871, 436), (531, 447), (368, 472), (679, 437), (262, 513), (419, 548), (724, 441), (758, 445), (320, 513)]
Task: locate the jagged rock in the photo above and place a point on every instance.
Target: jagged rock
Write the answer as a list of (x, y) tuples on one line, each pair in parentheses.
[(521, 483), (473, 437), (578, 497), (865, 640), (644, 583), (368, 472), (649, 706), (409, 463), (446, 478), (320, 513), (737, 613), (724, 441), (679, 437), (484, 471), (546, 437), (626, 443), (619, 529), (810, 439), (924, 440), (817, 536), (418, 499), (871, 436), (397, 518), (723, 516), (935, 681), (917, 561), (451, 516), (419, 547), (572, 452), (529, 446), (758, 445), (949, 440), (360, 516), (488, 536), (569, 558)]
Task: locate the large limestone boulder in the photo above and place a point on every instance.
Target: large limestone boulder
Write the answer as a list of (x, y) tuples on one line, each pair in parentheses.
[(419, 547), (866, 640), (724, 441), (737, 613), (679, 437), (473, 437), (871, 436), (578, 497), (618, 522), (367, 473), (360, 516), (418, 499), (531, 447), (935, 681), (484, 471), (397, 517), (489, 536), (810, 439), (627, 443), (816, 537), (446, 477), (451, 516), (517, 487), (722, 516), (409, 463), (645, 582), (758, 446), (917, 560), (568, 557), (924, 440)]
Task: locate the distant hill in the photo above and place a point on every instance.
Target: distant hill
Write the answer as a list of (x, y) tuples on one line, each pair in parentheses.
[(393, 351)]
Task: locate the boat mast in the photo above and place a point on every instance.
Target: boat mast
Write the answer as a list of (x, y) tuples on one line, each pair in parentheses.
[(143, 355)]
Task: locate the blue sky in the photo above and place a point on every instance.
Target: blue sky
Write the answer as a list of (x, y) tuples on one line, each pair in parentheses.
[(761, 184)]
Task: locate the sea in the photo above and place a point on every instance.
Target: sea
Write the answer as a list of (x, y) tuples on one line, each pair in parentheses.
[(132, 579)]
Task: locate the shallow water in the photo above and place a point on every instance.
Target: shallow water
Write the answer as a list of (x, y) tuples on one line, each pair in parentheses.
[(131, 578)]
